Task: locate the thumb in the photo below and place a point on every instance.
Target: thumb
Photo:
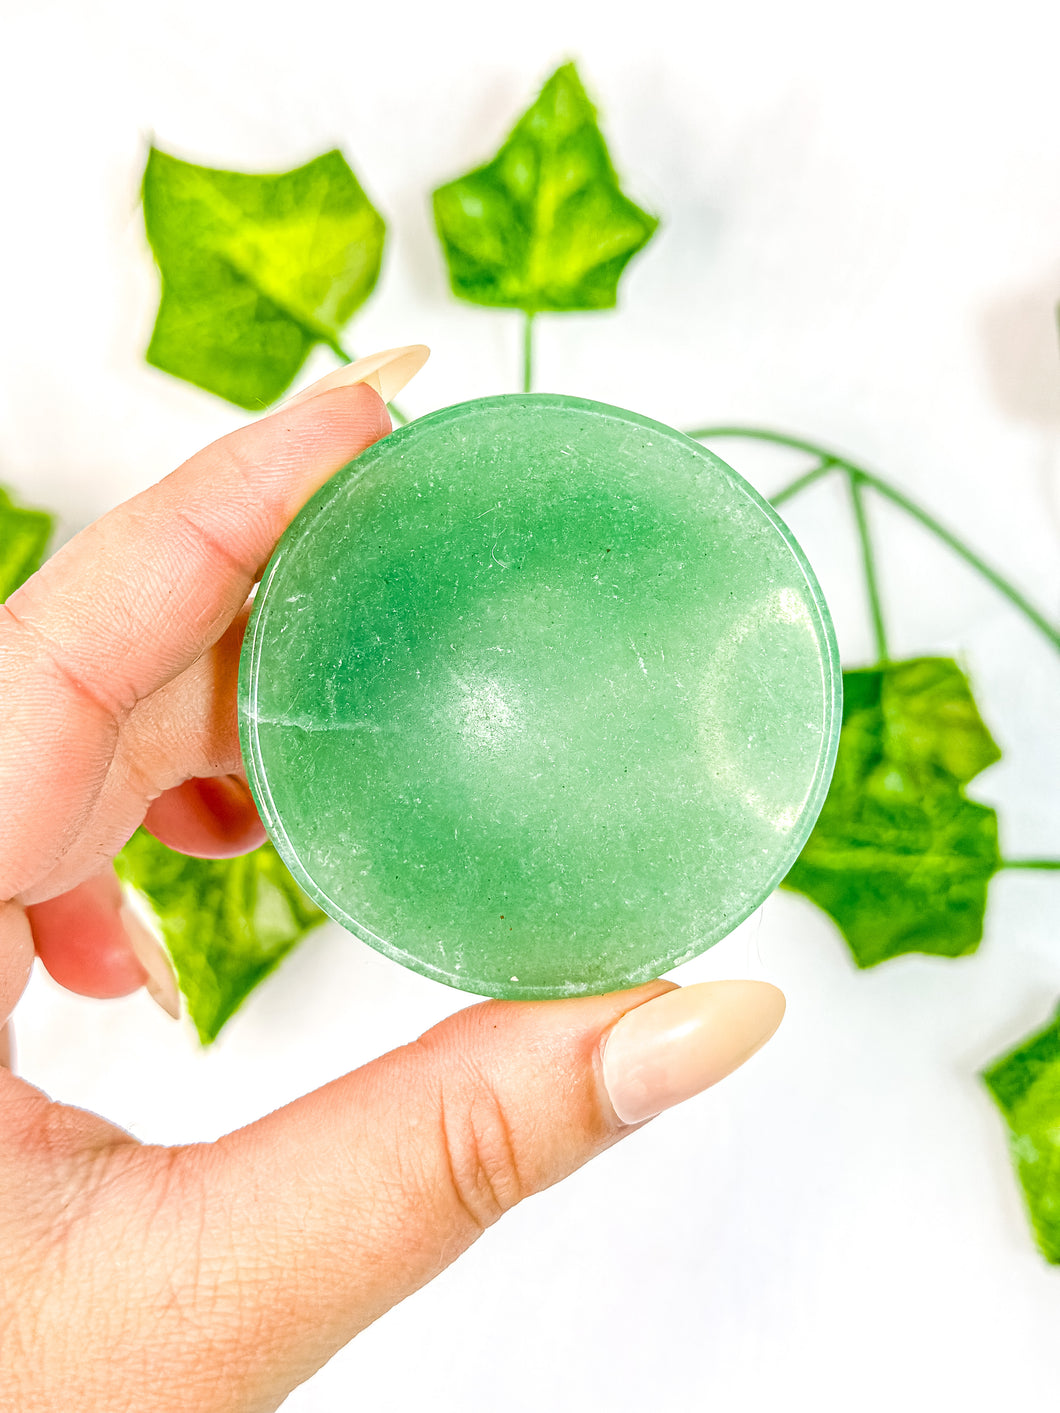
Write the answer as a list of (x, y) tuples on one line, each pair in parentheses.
[(318, 1218)]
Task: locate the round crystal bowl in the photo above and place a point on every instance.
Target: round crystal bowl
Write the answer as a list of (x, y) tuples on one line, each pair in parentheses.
[(539, 697)]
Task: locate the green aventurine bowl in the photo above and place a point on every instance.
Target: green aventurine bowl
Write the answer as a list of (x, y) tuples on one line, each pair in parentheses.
[(539, 697)]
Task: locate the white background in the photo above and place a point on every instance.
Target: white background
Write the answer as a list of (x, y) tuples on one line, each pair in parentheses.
[(862, 244)]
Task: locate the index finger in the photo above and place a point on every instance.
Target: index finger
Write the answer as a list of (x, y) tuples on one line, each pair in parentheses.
[(127, 606), (136, 597)]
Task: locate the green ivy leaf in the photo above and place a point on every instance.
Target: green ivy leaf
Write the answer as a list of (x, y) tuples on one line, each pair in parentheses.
[(24, 536), (255, 269), (226, 922), (900, 857), (1026, 1087), (545, 225)]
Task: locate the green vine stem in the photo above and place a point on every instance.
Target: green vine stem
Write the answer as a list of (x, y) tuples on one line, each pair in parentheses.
[(1051, 864), (868, 562), (801, 482), (829, 461), (528, 352), (992, 577), (395, 412)]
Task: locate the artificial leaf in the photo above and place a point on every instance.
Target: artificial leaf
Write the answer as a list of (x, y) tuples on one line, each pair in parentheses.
[(544, 225), (24, 536), (255, 269), (900, 857), (1026, 1086), (226, 922)]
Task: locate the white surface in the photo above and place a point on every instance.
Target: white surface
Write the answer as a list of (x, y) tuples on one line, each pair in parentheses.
[(862, 243)]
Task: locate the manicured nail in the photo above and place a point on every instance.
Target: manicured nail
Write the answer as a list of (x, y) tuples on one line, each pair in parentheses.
[(387, 372), (161, 983), (680, 1043)]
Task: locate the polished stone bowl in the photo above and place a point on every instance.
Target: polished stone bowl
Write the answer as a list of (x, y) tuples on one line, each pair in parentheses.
[(539, 697)]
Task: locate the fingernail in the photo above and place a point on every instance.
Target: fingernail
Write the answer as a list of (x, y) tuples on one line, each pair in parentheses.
[(161, 984), (681, 1043), (387, 373)]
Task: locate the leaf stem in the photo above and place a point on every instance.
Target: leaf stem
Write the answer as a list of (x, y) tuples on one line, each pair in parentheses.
[(395, 412), (868, 561), (528, 352), (801, 482), (829, 459), (965, 552), (763, 434), (1053, 865)]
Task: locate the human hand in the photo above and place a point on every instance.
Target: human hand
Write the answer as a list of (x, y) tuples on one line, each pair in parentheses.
[(219, 1276)]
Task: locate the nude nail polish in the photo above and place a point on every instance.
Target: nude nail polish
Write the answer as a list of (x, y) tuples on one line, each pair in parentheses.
[(681, 1043), (387, 373), (161, 983)]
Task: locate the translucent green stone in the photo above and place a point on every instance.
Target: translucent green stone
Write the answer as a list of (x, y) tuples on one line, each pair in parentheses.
[(539, 697)]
